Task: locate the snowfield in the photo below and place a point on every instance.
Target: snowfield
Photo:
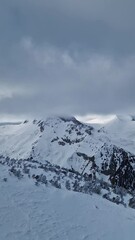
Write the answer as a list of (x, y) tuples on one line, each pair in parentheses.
[(29, 212)]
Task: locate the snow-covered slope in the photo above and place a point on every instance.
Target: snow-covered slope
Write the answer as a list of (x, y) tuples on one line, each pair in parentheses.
[(63, 145), (55, 140), (28, 212), (121, 131), (16, 140), (38, 158)]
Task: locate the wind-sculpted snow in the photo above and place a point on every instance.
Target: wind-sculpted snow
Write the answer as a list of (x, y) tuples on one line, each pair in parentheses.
[(29, 212)]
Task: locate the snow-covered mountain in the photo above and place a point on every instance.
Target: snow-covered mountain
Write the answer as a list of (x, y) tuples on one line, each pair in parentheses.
[(39, 157), (105, 154), (96, 153)]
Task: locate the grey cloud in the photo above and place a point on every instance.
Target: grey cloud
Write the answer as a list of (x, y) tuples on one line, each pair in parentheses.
[(96, 25), (71, 57), (63, 84)]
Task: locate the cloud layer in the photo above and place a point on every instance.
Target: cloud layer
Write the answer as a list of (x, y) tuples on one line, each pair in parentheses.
[(67, 57)]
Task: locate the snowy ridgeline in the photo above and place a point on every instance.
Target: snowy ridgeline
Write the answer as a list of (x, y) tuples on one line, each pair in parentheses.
[(28, 212)]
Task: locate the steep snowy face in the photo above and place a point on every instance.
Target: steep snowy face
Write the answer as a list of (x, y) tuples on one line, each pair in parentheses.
[(121, 131), (62, 138), (70, 144), (16, 141), (54, 139)]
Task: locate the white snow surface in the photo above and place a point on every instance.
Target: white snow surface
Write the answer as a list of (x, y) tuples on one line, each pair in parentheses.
[(17, 141), (28, 212), (20, 141), (121, 131)]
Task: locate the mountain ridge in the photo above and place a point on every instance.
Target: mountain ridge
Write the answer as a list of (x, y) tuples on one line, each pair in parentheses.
[(92, 155)]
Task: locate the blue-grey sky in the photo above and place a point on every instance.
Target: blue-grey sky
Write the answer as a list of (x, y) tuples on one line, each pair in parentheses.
[(67, 57)]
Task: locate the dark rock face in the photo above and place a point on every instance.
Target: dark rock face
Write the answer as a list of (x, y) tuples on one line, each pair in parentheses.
[(41, 124), (26, 121), (132, 202), (124, 176), (120, 169), (71, 119), (132, 118)]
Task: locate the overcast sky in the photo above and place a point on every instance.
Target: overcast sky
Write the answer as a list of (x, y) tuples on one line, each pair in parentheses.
[(67, 57)]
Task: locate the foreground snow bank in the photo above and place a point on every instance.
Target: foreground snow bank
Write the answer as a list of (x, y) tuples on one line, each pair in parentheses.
[(29, 212)]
